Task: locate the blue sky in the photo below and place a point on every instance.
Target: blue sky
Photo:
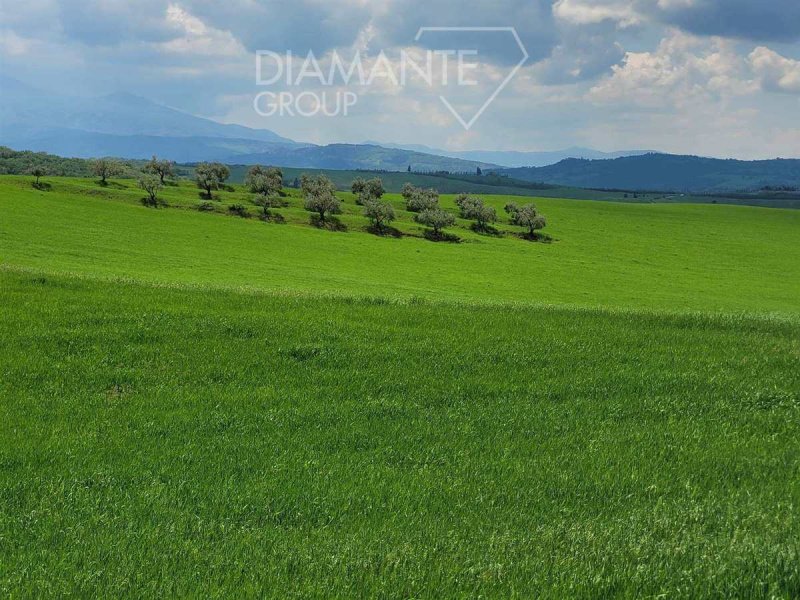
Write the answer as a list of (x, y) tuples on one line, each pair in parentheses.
[(711, 77)]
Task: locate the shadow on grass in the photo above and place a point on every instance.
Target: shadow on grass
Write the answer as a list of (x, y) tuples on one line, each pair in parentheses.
[(151, 203), (330, 223), (272, 217), (238, 210), (442, 236), (42, 186), (536, 237), (486, 230), (385, 231), (111, 184), (272, 202)]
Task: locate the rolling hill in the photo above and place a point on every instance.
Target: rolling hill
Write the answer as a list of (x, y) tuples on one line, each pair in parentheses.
[(666, 172), (354, 156), (199, 404), (511, 158)]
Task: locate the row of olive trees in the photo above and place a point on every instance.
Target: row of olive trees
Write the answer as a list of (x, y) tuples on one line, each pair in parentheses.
[(154, 175), (105, 168), (151, 178), (320, 197), (319, 194)]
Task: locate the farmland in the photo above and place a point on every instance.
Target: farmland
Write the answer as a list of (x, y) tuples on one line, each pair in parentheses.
[(196, 403)]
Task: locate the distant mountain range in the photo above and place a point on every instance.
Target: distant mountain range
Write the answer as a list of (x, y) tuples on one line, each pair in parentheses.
[(132, 127), (666, 172), (129, 126), (512, 158)]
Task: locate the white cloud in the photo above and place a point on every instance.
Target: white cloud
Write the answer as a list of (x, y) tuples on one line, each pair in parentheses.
[(12, 44), (775, 72), (675, 4), (587, 12), (682, 70), (197, 38)]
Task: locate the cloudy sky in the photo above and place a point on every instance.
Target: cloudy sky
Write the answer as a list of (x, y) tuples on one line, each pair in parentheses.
[(710, 77)]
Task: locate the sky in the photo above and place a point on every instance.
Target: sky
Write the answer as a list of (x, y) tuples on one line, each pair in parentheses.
[(707, 77)]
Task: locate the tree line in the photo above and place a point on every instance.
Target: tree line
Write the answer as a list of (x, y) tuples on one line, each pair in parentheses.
[(320, 199), (319, 195)]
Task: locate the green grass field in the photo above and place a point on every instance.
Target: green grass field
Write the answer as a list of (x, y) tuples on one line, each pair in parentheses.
[(659, 257), (204, 405)]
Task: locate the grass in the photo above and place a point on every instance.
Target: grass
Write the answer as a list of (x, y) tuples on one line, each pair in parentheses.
[(658, 257), (204, 405)]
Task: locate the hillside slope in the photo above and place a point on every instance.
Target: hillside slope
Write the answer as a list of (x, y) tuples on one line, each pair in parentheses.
[(198, 404), (667, 257)]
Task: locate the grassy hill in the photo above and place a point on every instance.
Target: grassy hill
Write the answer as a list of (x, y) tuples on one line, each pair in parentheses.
[(200, 404), (672, 256)]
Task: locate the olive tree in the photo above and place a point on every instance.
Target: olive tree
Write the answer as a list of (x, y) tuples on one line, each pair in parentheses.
[(266, 203), (466, 203), (358, 186), (265, 181), (162, 168), (435, 218), (526, 216), (422, 199), (472, 207), (38, 173), (151, 184), (320, 196), (379, 213), (210, 176), (408, 191), (367, 190), (105, 168), (374, 189), (483, 215)]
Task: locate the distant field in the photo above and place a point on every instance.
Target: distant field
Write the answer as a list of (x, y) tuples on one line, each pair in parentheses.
[(203, 405), (453, 184), (448, 184)]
